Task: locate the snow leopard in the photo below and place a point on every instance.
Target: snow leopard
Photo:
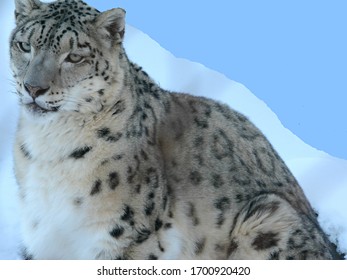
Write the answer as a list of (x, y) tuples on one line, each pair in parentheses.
[(110, 165)]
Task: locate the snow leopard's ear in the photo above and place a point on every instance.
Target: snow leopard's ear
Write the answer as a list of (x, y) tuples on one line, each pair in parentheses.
[(24, 8), (111, 25)]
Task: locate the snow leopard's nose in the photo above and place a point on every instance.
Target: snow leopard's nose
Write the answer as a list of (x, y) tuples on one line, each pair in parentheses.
[(35, 91)]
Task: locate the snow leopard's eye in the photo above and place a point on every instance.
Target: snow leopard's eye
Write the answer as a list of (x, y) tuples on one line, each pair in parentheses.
[(24, 47), (74, 58)]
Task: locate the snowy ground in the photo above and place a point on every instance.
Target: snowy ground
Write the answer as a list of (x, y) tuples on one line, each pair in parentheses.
[(323, 178)]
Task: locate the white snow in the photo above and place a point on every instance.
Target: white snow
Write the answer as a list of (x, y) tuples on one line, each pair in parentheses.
[(323, 178)]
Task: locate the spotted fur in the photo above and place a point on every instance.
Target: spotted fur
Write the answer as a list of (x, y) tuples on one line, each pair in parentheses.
[(111, 166)]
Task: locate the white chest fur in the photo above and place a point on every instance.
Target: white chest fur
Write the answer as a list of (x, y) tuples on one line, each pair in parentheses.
[(54, 224), (58, 221)]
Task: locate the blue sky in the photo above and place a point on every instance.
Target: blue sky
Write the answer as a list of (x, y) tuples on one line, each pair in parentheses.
[(291, 54)]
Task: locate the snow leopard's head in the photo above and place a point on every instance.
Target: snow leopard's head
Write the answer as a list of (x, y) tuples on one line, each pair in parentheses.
[(64, 55)]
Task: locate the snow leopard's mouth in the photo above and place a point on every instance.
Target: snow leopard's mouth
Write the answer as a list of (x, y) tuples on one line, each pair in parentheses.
[(37, 109)]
